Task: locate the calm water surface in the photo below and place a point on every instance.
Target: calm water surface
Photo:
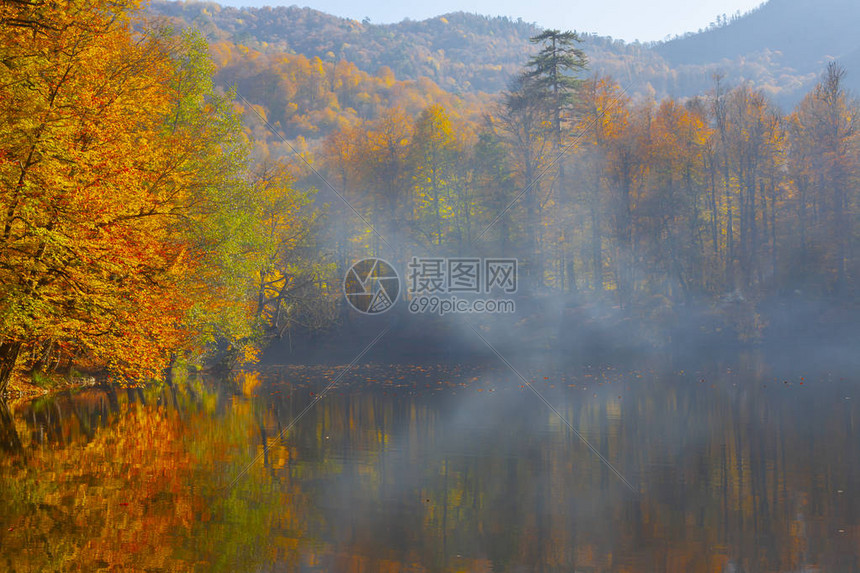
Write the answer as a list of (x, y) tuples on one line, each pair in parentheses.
[(439, 469)]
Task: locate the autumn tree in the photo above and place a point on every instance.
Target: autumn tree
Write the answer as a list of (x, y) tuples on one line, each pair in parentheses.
[(553, 72), (87, 254), (616, 143), (495, 184), (341, 160), (674, 198), (435, 152), (385, 176), (294, 279), (825, 144), (126, 216), (524, 125)]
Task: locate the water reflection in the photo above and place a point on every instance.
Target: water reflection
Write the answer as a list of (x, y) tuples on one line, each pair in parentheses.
[(438, 469)]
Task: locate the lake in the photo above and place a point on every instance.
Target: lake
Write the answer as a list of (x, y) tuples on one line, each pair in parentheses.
[(731, 467)]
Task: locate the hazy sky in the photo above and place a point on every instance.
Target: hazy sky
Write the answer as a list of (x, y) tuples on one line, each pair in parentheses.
[(625, 19)]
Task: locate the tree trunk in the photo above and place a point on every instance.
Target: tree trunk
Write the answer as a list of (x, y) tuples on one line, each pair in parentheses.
[(9, 352), (596, 240)]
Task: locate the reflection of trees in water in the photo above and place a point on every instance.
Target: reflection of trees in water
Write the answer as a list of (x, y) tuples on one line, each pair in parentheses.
[(730, 476), (9, 440), (738, 475), (136, 480)]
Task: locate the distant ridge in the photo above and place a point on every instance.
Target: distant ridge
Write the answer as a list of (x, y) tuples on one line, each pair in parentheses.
[(459, 51), (781, 47), (805, 33)]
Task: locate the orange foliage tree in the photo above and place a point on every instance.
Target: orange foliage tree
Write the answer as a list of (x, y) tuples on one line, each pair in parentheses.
[(116, 176)]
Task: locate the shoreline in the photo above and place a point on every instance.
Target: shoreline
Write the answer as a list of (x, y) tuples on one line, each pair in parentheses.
[(22, 388)]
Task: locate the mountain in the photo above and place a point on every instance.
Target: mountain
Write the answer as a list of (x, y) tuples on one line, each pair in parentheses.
[(460, 52), (794, 38), (804, 33), (781, 47)]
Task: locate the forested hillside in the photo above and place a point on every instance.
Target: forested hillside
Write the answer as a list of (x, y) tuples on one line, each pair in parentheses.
[(308, 98), (721, 203), (461, 52), (802, 33), (780, 47)]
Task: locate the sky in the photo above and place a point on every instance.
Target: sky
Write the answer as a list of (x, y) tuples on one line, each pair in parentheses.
[(645, 20)]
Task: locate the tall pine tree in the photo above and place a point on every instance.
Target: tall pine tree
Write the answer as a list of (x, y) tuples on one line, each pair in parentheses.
[(553, 74)]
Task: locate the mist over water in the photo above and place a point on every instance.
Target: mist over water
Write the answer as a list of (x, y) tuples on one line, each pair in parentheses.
[(734, 465)]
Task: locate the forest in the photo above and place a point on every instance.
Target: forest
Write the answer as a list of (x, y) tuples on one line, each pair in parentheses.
[(189, 193), (135, 228), (168, 200)]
